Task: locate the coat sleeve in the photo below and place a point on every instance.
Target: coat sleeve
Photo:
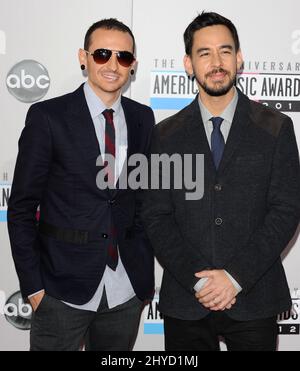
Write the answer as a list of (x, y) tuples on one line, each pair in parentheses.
[(181, 260), (268, 242), (30, 180)]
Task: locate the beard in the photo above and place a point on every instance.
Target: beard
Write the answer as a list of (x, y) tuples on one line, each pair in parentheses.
[(219, 89)]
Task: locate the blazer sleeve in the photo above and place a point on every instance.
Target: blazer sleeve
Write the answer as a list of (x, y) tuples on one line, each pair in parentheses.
[(268, 242), (29, 183), (172, 251)]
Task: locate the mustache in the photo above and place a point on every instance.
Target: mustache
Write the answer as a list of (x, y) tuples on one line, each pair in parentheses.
[(217, 70)]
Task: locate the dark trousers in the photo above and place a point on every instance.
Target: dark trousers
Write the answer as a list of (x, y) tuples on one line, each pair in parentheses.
[(203, 335), (58, 327)]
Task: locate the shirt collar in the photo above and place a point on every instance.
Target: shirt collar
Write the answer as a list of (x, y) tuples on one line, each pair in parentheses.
[(95, 104), (227, 114)]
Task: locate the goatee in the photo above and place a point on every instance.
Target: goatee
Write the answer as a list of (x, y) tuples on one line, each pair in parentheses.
[(215, 91)]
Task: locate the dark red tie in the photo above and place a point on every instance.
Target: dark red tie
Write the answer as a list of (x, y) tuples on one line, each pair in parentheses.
[(110, 143), (110, 149)]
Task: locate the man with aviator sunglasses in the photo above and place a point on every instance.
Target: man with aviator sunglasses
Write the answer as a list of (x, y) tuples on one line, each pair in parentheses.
[(88, 267), (102, 56)]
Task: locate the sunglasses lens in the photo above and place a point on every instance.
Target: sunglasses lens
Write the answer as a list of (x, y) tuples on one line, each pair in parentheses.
[(102, 56), (125, 59)]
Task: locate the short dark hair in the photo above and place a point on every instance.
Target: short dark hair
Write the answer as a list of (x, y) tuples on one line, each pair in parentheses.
[(107, 24), (207, 19)]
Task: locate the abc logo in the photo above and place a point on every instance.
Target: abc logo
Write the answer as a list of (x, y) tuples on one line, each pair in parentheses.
[(28, 81), (16, 312)]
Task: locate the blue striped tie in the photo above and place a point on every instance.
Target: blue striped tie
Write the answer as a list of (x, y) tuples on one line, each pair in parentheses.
[(217, 141)]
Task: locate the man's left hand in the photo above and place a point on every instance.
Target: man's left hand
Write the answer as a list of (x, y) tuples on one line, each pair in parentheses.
[(218, 293)]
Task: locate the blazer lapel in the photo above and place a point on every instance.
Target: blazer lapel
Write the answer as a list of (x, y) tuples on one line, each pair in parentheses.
[(82, 131), (133, 127), (196, 136), (238, 131), (198, 140), (133, 132)]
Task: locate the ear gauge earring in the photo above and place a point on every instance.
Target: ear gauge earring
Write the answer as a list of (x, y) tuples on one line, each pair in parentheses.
[(132, 72), (82, 67)]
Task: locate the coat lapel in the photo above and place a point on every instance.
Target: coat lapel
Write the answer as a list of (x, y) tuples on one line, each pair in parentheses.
[(196, 136), (238, 130), (133, 134), (82, 131), (133, 127), (198, 140)]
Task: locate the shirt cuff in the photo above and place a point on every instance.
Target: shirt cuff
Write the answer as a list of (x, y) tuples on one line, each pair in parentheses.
[(30, 296), (199, 285), (234, 282)]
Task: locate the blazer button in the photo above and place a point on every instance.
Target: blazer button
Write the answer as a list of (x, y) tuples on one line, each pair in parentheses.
[(219, 221), (218, 188), (105, 236)]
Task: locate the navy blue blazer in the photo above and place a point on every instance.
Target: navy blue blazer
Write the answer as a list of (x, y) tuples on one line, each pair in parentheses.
[(56, 169)]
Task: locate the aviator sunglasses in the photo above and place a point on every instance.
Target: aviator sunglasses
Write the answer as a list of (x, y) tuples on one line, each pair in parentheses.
[(102, 56)]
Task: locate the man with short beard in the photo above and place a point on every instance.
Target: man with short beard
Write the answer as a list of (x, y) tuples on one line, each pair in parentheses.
[(221, 255)]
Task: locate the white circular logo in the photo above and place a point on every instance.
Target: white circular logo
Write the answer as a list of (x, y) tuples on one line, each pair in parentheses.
[(16, 312), (28, 81)]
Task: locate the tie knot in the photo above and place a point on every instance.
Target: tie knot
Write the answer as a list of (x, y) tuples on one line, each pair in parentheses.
[(217, 122), (108, 114)]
